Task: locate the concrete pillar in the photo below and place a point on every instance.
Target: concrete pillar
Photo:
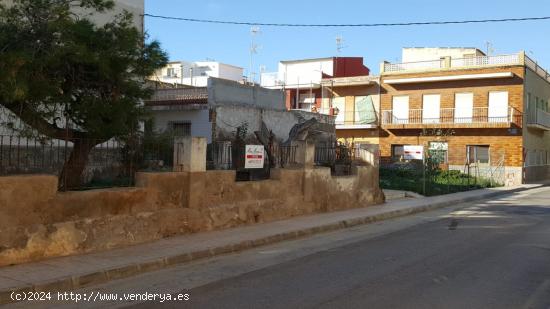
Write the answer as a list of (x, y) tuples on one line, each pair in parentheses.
[(522, 57), (300, 151), (190, 154), (305, 153), (309, 155), (447, 62), (383, 66)]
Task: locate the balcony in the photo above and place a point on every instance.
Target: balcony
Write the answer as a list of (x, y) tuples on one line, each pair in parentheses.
[(538, 119), (451, 63), (479, 117), (355, 119)]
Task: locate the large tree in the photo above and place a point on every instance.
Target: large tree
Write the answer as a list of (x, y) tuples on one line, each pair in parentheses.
[(68, 78)]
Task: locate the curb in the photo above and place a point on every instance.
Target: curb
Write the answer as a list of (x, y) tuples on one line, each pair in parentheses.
[(101, 276)]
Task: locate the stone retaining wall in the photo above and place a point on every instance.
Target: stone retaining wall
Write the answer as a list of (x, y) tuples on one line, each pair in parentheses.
[(37, 222)]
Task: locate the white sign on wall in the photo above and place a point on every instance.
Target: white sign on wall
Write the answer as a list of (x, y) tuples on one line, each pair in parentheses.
[(413, 152), (254, 156)]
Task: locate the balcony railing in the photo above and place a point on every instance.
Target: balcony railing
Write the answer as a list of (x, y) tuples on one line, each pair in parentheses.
[(414, 66), (354, 118), (451, 117), (179, 94), (453, 63), (538, 118), (482, 61), (537, 69)]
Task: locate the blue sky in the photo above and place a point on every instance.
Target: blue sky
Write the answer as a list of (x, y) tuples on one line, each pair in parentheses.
[(230, 44)]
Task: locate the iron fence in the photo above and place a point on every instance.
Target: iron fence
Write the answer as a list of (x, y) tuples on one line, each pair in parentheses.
[(338, 157), (224, 155), (435, 177), (86, 163)]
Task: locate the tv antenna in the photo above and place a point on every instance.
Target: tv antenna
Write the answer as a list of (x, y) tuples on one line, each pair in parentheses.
[(254, 32), (490, 49), (339, 44)]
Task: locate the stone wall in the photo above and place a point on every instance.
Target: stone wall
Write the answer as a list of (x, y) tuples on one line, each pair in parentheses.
[(229, 117), (222, 92), (37, 222)]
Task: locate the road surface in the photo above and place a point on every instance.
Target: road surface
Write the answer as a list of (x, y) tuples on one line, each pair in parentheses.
[(488, 254)]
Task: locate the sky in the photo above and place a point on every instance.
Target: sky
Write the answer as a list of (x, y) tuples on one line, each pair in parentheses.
[(231, 43)]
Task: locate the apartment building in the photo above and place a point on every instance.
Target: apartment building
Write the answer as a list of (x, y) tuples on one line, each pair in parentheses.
[(196, 74), (480, 112), (301, 79)]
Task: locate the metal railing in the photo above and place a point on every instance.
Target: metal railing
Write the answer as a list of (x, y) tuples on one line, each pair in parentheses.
[(448, 63), (220, 156), (413, 66), (536, 116), (111, 163), (478, 115), (176, 94), (481, 61), (533, 65), (344, 156), (356, 118)]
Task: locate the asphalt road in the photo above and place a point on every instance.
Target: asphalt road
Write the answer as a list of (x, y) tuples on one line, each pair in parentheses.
[(489, 254), (493, 256)]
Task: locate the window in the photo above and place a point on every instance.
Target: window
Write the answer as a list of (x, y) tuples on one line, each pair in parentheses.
[(477, 154), (498, 106), (464, 107), (171, 72), (439, 151), (400, 107), (180, 128), (430, 108), (397, 152), (529, 103)]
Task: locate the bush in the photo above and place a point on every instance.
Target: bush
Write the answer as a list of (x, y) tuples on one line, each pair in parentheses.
[(410, 177)]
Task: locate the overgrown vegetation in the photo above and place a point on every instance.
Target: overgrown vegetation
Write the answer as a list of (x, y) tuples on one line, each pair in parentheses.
[(434, 182)]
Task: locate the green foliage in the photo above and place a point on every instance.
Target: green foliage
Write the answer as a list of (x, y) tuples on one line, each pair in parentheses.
[(410, 178), (57, 65)]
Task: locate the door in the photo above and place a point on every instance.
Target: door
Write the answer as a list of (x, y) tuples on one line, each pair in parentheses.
[(498, 106), (464, 107), (431, 108), (400, 110)]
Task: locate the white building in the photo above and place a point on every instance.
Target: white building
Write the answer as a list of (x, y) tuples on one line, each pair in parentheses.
[(197, 73), (418, 54), (304, 73)]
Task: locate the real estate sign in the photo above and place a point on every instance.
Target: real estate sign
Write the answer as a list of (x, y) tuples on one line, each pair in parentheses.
[(413, 152), (254, 156)]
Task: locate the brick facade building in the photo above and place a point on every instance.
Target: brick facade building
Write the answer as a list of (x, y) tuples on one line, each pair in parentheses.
[(476, 110)]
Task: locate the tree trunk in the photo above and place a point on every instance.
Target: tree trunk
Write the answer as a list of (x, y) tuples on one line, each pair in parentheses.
[(71, 174)]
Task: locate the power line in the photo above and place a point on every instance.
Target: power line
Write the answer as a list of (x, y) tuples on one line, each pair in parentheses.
[(246, 23)]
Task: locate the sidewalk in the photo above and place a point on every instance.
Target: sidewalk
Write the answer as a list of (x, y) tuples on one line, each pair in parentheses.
[(72, 272)]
